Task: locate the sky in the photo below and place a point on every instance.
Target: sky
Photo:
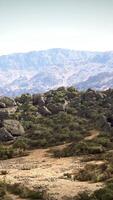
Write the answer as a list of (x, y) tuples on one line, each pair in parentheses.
[(27, 25)]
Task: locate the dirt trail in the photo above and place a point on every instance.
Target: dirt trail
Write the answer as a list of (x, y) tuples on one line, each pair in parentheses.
[(93, 135), (39, 168)]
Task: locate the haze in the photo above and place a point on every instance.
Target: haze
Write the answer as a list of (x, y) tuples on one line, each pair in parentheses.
[(27, 25)]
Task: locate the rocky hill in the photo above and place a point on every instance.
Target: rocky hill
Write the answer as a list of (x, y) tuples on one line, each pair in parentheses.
[(65, 110), (64, 139), (40, 71)]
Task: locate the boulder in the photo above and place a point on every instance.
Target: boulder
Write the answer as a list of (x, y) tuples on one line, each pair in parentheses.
[(109, 92), (104, 123), (14, 127), (5, 135), (9, 102), (89, 96), (44, 110), (55, 108), (91, 93), (2, 105), (101, 95), (38, 100)]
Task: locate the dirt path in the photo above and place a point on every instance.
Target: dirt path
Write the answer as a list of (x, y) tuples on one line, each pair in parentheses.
[(93, 135), (40, 169)]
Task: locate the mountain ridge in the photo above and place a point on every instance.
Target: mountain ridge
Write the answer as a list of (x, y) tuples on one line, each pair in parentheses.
[(40, 71)]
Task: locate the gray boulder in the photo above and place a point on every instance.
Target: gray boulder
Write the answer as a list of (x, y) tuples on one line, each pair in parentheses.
[(38, 100), (5, 135), (55, 108), (9, 102), (14, 127), (105, 124), (2, 105), (101, 95)]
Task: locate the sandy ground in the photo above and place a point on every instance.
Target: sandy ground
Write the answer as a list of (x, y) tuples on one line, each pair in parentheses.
[(93, 135), (39, 168)]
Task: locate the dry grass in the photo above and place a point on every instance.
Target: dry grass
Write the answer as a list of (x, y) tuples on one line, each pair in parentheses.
[(40, 169)]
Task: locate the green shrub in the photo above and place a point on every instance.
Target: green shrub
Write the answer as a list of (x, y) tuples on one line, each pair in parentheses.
[(105, 193), (24, 192), (95, 173), (6, 152), (20, 143)]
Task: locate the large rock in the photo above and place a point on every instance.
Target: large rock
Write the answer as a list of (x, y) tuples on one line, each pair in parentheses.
[(8, 102), (2, 105), (104, 124), (44, 110), (55, 108), (14, 127), (101, 95), (5, 135), (38, 100)]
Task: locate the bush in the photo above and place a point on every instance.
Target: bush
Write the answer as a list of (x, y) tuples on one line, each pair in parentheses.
[(24, 192), (20, 143), (6, 152), (105, 193), (95, 173)]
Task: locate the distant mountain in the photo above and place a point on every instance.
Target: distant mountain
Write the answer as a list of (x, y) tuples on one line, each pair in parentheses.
[(40, 71)]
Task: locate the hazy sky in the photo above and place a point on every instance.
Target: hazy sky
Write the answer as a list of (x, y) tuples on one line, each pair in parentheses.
[(27, 25)]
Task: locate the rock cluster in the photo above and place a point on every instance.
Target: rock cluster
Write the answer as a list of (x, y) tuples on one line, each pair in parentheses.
[(46, 105), (6, 102), (9, 128)]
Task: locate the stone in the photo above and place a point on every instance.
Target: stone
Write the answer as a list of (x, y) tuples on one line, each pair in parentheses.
[(2, 105), (55, 108), (5, 135), (14, 127), (9, 102), (38, 100), (105, 124), (101, 95)]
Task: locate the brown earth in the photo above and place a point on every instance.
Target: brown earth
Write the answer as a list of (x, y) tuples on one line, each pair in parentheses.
[(39, 168)]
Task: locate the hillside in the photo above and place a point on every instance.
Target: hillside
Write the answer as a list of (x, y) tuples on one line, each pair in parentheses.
[(57, 145), (40, 71)]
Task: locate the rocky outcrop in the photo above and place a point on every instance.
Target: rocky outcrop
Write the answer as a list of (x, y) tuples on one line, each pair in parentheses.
[(89, 95), (2, 105), (38, 100), (105, 124), (5, 135), (14, 127), (55, 108), (8, 102)]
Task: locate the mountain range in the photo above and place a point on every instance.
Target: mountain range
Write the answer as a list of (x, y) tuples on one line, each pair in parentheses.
[(40, 71)]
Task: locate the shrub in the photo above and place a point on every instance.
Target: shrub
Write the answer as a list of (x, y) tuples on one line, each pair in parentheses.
[(105, 193), (94, 173), (25, 192), (20, 143), (6, 152)]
